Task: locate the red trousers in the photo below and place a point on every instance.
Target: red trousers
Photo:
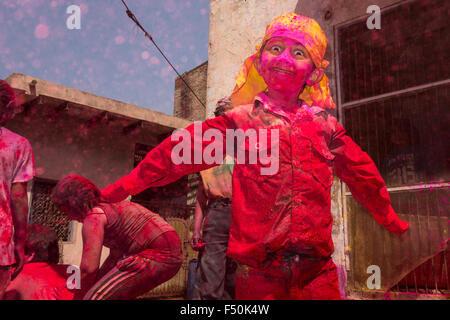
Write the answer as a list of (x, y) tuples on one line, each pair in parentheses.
[(289, 278)]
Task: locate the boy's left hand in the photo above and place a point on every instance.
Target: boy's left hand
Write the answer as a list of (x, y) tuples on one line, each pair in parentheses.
[(398, 227)]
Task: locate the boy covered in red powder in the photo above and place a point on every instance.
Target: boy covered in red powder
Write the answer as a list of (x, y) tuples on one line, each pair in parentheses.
[(16, 170), (281, 223)]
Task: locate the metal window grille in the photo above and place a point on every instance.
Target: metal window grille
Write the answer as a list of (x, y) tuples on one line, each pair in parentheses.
[(44, 212), (394, 85), (410, 49)]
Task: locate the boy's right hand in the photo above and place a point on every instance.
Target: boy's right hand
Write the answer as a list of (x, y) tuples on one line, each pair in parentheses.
[(196, 243)]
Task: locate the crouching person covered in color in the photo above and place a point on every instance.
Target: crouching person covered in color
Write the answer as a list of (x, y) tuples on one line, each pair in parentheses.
[(145, 250), (42, 278), (281, 222)]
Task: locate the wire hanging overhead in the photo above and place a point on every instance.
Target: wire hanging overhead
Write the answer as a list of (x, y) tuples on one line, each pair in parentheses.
[(135, 20)]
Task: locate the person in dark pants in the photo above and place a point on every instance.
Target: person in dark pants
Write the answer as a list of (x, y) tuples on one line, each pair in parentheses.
[(215, 272)]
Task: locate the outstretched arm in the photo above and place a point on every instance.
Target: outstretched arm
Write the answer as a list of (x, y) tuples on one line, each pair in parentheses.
[(175, 157), (358, 171)]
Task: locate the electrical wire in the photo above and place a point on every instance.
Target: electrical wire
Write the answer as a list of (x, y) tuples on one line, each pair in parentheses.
[(133, 17)]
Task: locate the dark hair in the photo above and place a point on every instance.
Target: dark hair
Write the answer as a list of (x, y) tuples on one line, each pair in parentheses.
[(77, 194), (222, 106), (43, 242), (7, 102)]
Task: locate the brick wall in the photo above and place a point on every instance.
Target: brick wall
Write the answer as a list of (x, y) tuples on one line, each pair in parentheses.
[(186, 106)]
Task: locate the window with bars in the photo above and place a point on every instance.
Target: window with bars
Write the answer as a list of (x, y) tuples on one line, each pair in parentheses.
[(174, 200), (44, 212), (394, 98)]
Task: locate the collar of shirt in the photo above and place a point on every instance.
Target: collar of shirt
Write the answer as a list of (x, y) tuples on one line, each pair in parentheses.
[(273, 106)]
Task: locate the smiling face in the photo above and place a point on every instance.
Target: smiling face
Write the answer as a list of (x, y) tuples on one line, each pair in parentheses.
[(285, 64)]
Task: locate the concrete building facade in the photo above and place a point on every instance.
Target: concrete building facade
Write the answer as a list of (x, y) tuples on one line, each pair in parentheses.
[(186, 104), (75, 132)]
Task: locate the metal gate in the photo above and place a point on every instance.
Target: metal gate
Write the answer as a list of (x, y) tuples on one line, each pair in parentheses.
[(44, 212), (177, 286), (394, 88)]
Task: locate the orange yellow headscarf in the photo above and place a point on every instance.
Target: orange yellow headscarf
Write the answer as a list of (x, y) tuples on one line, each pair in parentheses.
[(308, 32)]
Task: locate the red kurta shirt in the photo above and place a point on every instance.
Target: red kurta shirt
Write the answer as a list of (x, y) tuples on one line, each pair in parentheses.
[(289, 210)]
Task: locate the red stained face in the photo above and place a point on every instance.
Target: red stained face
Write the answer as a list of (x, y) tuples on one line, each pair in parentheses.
[(285, 64)]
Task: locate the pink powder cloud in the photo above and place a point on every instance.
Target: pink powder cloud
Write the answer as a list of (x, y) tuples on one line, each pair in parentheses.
[(119, 40), (165, 71), (154, 61), (36, 63), (84, 8), (18, 15), (170, 6), (41, 31)]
